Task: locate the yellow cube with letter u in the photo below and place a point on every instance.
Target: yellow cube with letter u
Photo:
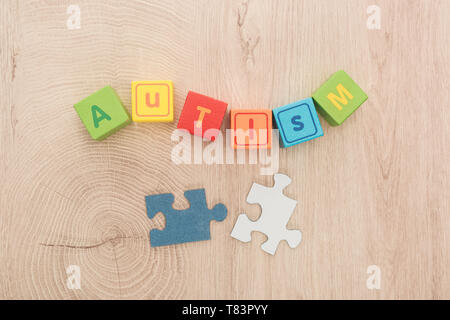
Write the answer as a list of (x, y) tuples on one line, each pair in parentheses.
[(152, 101)]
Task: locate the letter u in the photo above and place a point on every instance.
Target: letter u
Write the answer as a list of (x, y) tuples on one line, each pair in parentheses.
[(148, 102)]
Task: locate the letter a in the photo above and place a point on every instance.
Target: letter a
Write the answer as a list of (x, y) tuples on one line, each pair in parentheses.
[(374, 20), (103, 115), (374, 281)]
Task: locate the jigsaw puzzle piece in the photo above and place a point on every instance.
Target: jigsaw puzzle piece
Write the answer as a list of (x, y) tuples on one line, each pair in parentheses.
[(192, 224), (276, 210), (197, 199), (292, 237), (158, 203), (200, 216), (162, 203), (243, 229)]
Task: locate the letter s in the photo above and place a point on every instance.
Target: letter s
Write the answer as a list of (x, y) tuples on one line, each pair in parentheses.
[(296, 122)]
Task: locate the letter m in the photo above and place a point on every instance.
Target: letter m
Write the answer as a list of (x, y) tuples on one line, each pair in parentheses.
[(341, 99)]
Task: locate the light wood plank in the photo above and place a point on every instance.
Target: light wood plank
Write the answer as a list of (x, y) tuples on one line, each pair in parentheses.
[(374, 191)]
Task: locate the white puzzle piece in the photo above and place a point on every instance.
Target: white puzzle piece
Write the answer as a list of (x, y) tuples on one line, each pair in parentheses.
[(276, 212)]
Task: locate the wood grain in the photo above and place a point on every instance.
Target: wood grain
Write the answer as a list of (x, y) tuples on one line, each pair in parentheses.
[(374, 191)]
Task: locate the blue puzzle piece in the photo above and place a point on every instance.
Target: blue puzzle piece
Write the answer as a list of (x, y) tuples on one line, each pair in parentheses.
[(298, 122), (183, 226)]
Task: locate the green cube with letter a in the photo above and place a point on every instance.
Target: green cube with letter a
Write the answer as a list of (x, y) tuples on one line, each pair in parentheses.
[(103, 113)]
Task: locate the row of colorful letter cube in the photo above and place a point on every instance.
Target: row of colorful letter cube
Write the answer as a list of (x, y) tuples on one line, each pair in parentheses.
[(152, 101)]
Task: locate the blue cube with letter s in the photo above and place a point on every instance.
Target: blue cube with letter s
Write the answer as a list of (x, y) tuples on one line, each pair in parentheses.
[(298, 122)]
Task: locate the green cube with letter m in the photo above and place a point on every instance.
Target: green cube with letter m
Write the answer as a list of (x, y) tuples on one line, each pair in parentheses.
[(338, 98)]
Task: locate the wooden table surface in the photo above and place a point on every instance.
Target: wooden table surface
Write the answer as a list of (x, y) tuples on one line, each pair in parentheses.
[(373, 191)]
